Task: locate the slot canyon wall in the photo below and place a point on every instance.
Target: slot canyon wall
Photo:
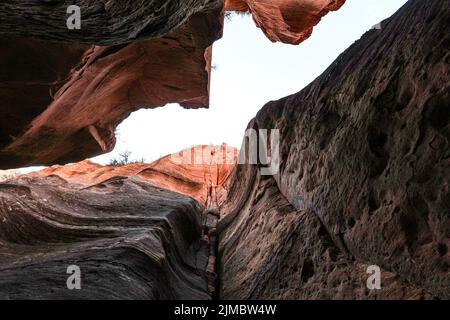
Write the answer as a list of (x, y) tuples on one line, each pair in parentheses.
[(364, 150), (128, 237), (364, 176), (63, 94)]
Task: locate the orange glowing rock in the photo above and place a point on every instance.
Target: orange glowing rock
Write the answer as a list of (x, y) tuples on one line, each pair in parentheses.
[(199, 172), (288, 21)]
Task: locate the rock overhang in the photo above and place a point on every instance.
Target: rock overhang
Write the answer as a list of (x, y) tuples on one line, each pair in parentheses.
[(69, 96)]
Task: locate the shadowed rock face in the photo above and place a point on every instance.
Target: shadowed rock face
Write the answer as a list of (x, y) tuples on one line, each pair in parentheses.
[(131, 240), (364, 176), (292, 255), (288, 21), (103, 22)]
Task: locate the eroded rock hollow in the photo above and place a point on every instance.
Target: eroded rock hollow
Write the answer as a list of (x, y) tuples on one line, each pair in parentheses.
[(364, 160)]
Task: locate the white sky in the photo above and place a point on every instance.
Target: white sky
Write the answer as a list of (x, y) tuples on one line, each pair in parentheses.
[(250, 72)]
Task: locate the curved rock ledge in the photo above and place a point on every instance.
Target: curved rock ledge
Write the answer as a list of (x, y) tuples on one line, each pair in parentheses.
[(198, 172), (130, 239), (126, 227), (63, 101), (364, 176)]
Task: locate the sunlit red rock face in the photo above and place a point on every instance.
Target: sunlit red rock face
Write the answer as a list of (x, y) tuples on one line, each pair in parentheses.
[(364, 176), (288, 21), (198, 172), (62, 103)]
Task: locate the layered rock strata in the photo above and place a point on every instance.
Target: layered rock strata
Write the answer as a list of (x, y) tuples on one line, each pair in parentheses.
[(198, 172), (106, 23), (126, 229), (63, 102), (129, 239)]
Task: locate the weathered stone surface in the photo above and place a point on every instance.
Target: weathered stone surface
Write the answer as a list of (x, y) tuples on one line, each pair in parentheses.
[(62, 103), (292, 255), (288, 21), (103, 22), (198, 172), (130, 239), (364, 176)]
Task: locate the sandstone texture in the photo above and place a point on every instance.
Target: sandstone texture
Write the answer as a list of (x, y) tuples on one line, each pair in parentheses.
[(104, 22), (288, 21), (364, 160), (198, 172), (130, 240), (63, 102), (364, 176)]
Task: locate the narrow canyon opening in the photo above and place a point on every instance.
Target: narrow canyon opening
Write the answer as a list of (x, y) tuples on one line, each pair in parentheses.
[(344, 164)]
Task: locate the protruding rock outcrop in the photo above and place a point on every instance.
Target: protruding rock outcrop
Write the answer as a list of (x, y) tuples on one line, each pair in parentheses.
[(288, 21), (62, 103), (363, 180), (199, 172), (364, 176)]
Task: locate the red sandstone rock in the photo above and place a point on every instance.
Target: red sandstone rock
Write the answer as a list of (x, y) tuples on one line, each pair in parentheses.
[(88, 101), (288, 21), (198, 172), (364, 179)]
